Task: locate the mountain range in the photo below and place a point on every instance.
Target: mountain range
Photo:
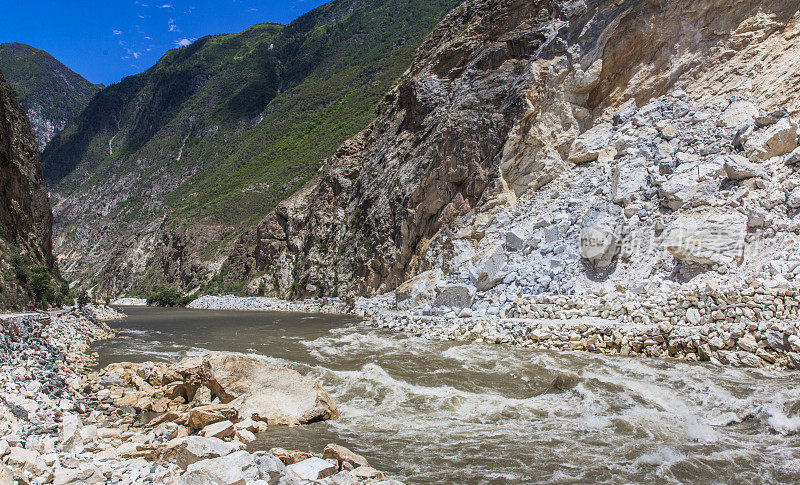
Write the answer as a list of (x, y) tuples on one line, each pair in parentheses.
[(51, 93)]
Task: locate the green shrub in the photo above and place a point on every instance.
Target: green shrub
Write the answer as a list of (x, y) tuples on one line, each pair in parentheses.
[(83, 299), (42, 286), (21, 271), (168, 297)]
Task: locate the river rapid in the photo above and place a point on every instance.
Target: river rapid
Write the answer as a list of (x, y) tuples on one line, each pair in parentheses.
[(453, 412)]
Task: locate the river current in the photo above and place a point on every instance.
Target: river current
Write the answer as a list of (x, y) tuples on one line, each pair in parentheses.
[(453, 412)]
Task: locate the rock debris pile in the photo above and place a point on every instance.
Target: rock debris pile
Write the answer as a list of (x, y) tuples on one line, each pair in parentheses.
[(61, 423)]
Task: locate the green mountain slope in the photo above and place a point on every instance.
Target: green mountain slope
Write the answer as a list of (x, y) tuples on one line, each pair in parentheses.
[(51, 93), (206, 142)]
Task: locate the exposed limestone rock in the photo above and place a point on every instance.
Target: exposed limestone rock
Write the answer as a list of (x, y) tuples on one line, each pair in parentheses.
[(488, 271), (190, 449), (455, 296), (739, 114), (268, 393), (312, 469), (707, 238), (600, 234), (738, 167), (772, 141), (419, 289), (342, 454), (588, 146), (629, 180)]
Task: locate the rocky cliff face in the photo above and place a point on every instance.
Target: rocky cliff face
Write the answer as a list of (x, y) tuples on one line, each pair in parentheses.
[(498, 106), (51, 93), (25, 217)]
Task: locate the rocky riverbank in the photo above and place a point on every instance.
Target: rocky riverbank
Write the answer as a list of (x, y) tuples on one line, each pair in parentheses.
[(752, 326), (61, 423)]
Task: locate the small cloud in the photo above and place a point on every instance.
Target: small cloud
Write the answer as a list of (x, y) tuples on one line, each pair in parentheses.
[(184, 42), (117, 32), (166, 5), (172, 26)]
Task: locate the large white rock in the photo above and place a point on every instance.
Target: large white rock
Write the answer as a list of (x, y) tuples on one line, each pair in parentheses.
[(600, 234), (772, 141), (312, 468), (455, 296), (630, 180), (259, 391), (588, 146), (489, 271), (234, 469), (419, 290), (738, 167), (692, 181), (707, 238), (738, 114), (190, 449)]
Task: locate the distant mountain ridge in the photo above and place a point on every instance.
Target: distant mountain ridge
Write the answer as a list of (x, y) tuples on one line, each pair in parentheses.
[(51, 93), (162, 171)]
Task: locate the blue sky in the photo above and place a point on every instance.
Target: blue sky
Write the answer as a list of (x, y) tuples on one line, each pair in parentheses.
[(105, 41)]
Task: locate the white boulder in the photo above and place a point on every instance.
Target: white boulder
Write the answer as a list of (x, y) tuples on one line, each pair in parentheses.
[(772, 141), (591, 143), (707, 238)]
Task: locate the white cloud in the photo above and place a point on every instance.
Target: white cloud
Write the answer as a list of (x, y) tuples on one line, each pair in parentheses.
[(184, 42), (166, 5), (172, 26), (117, 32)]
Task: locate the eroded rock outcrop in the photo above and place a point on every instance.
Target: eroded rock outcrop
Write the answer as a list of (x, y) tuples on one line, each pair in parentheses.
[(25, 216)]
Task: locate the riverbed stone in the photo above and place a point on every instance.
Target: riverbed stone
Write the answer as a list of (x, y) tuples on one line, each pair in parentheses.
[(221, 429), (233, 469), (368, 473), (190, 449), (312, 468), (263, 392), (203, 416), (289, 457), (343, 455)]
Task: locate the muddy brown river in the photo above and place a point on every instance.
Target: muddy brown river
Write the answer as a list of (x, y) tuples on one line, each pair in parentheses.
[(450, 412)]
